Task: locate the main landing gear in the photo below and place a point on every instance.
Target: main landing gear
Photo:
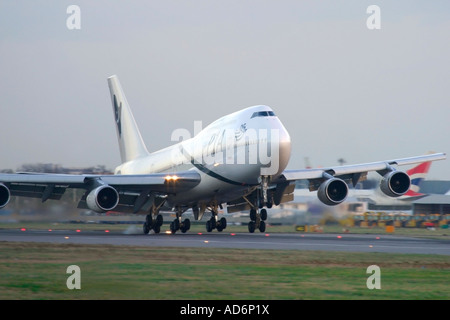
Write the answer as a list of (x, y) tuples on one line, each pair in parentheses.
[(151, 223), (177, 224), (257, 220), (154, 220), (215, 222)]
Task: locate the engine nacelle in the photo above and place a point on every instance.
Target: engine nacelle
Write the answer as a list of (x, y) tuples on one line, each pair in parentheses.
[(395, 183), (332, 191), (102, 199), (5, 195)]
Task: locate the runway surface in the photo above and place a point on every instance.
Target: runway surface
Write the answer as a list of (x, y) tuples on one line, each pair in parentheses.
[(274, 241)]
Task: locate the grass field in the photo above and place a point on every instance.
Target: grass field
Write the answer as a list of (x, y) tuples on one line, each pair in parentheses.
[(38, 271)]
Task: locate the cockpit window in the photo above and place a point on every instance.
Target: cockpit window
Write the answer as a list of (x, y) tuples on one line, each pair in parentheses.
[(263, 114)]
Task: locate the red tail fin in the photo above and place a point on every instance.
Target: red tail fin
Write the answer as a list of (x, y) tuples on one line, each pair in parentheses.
[(417, 175)]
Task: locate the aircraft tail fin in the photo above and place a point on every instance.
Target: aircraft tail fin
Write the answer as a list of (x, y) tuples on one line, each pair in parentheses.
[(417, 175), (131, 144)]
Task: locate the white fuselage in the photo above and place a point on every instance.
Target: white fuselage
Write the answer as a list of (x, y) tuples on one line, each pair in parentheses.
[(231, 155)]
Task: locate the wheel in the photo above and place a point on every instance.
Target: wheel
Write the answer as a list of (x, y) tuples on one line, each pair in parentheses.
[(263, 214), (262, 226), (251, 226), (159, 220), (212, 221), (146, 228), (253, 214), (208, 226), (172, 227), (176, 224), (187, 224), (157, 228), (223, 223), (149, 221)]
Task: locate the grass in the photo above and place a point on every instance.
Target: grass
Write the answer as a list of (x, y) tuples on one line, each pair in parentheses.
[(38, 271)]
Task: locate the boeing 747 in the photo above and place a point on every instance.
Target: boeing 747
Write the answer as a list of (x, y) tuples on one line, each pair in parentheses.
[(239, 161)]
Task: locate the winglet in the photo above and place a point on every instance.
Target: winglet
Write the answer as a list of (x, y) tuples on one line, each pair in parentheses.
[(130, 140)]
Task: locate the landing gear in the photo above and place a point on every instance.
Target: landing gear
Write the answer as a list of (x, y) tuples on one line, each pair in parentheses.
[(212, 224), (156, 223), (215, 222), (177, 224), (151, 223), (154, 220), (258, 215), (257, 220)]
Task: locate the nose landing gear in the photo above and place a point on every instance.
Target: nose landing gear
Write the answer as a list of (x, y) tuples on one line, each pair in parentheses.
[(258, 215)]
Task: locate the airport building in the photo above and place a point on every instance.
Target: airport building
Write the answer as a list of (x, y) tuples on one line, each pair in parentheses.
[(433, 204)]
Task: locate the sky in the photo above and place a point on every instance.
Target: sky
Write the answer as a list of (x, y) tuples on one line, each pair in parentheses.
[(341, 89)]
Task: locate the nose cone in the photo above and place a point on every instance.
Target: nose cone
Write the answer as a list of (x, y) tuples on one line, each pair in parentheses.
[(284, 150), (280, 145), (273, 132)]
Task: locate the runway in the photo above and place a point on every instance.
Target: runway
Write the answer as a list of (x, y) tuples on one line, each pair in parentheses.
[(271, 241)]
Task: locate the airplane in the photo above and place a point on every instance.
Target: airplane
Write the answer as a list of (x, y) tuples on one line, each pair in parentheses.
[(372, 196), (239, 160), (417, 174)]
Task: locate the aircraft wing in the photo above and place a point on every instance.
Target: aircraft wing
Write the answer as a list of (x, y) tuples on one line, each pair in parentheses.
[(349, 173), (133, 192), (357, 171)]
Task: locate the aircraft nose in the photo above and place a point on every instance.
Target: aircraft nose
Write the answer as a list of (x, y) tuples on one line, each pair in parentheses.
[(284, 150), (281, 146)]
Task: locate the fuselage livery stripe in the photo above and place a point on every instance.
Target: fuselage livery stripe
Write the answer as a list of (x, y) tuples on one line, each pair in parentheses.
[(210, 172), (216, 176)]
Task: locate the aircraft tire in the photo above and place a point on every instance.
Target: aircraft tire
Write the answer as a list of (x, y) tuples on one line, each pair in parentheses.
[(146, 228), (223, 223), (263, 214), (253, 214), (251, 226), (187, 224), (208, 226), (159, 220), (173, 227), (262, 226)]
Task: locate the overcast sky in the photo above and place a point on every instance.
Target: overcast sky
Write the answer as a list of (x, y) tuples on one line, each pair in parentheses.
[(341, 89)]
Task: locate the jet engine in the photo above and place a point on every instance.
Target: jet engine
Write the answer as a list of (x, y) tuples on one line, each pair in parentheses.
[(102, 199), (395, 183), (332, 191), (5, 195)]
